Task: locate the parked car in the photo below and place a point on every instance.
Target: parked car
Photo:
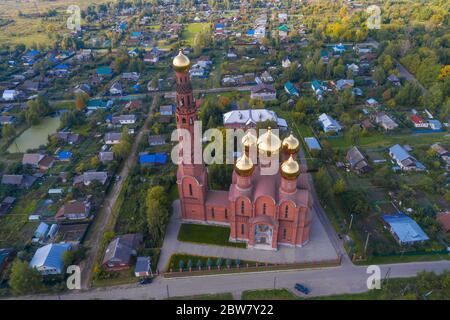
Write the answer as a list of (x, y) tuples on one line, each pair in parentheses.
[(145, 281), (301, 288)]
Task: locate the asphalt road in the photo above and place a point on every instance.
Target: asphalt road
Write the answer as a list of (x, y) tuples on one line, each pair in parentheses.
[(327, 281)]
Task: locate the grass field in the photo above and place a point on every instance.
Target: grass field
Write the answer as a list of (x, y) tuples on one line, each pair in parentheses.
[(214, 235), (381, 140), (270, 294), (216, 296), (192, 29)]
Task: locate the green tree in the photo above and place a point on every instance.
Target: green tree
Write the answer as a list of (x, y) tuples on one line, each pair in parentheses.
[(24, 279)]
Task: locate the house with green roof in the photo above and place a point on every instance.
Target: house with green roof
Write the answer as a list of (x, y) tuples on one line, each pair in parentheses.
[(95, 104), (104, 71), (283, 30), (291, 89)]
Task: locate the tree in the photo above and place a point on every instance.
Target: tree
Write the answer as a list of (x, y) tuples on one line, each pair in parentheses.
[(24, 279), (80, 101), (339, 186), (8, 131), (157, 213)]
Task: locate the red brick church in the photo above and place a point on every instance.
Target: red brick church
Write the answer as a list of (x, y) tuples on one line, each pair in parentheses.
[(262, 210)]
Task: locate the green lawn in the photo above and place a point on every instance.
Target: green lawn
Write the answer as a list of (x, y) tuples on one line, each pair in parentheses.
[(214, 235), (384, 140), (216, 296), (192, 29), (270, 294)]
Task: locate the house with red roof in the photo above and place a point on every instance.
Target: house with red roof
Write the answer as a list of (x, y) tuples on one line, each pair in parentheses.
[(418, 121)]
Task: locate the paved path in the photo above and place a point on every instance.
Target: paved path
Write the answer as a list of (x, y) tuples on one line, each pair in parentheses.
[(104, 219), (318, 249)]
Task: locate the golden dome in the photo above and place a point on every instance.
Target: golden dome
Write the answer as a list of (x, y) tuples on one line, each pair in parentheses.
[(290, 169), (269, 142), (291, 144), (249, 140), (244, 166), (181, 63)]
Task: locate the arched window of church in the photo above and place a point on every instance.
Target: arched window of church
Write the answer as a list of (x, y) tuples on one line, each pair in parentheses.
[(242, 229), (284, 233), (189, 100), (226, 214), (184, 120), (264, 208), (242, 207), (212, 212), (286, 211), (190, 189)]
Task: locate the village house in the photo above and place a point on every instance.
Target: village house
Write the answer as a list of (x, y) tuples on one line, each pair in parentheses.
[(291, 89), (68, 137), (371, 102), (329, 124), (167, 110), (444, 220), (286, 62), (106, 156), (112, 137), (120, 251), (156, 140), (130, 76), (7, 120), (343, 84), (88, 177), (48, 260), (385, 121), (116, 89), (404, 229), (10, 95), (394, 80), (38, 161), (74, 210), (19, 180), (418, 121), (133, 105), (357, 161), (265, 92), (404, 160), (6, 205), (124, 119)]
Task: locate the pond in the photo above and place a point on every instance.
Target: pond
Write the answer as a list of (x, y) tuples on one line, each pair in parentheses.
[(35, 135)]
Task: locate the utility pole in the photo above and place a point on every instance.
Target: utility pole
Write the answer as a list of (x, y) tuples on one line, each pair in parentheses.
[(351, 222), (274, 282), (167, 288), (367, 242)]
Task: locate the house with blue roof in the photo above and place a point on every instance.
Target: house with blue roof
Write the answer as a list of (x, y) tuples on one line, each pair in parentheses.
[(339, 48), (250, 33), (64, 155), (153, 158), (404, 160), (312, 143), (329, 124), (404, 229), (291, 89), (49, 259)]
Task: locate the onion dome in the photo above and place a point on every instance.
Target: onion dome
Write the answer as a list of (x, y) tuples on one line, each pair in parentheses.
[(181, 63), (291, 144), (249, 140), (290, 169), (244, 166), (269, 142)]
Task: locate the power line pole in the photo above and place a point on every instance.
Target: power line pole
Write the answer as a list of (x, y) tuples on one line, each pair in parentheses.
[(351, 222), (167, 288), (367, 242)]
